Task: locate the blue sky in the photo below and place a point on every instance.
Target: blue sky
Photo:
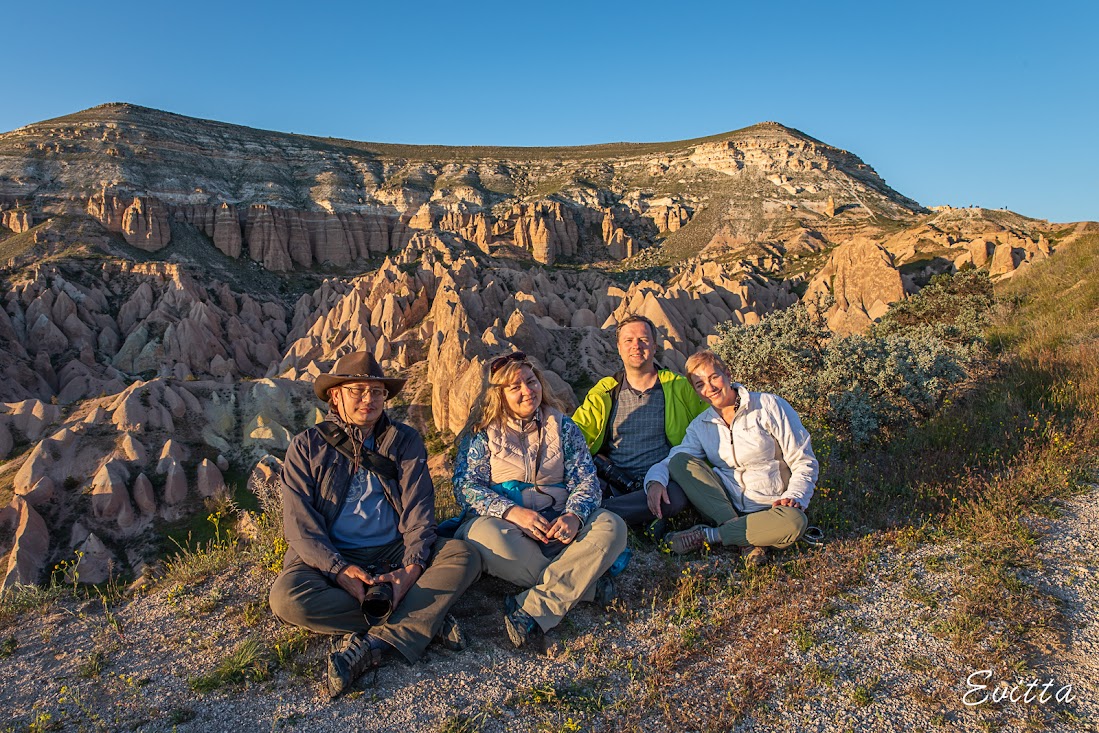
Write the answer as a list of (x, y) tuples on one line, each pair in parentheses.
[(987, 103)]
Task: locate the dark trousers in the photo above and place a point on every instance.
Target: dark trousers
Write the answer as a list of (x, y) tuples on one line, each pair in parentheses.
[(634, 506), (303, 596)]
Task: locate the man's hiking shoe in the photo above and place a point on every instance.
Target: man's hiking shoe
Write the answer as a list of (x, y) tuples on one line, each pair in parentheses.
[(518, 623), (357, 653), (450, 634), (754, 556), (620, 563), (605, 592), (656, 530), (688, 540)]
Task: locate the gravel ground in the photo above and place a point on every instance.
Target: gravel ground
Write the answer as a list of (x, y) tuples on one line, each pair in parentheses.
[(1070, 549), (869, 663), (875, 664)]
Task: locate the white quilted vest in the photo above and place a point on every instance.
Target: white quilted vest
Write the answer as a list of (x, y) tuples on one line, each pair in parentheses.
[(533, 455)]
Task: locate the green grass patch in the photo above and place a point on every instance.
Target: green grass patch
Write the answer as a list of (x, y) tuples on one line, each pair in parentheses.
[(249, 662), (22, 599)]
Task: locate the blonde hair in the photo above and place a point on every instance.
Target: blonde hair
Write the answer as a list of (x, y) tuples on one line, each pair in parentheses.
[(493, 406), (707, 358)]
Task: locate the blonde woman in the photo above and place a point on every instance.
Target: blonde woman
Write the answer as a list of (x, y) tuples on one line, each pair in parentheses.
[(746, 464), (530, 498)]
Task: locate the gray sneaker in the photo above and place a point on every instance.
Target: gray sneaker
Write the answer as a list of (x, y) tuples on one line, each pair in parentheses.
[(688, 540), (357, 653)]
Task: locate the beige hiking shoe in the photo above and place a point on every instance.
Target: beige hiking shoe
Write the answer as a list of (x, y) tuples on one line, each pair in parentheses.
[(754, 556)]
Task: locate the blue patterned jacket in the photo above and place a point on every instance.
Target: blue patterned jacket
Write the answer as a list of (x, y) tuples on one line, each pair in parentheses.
[(475, 492)]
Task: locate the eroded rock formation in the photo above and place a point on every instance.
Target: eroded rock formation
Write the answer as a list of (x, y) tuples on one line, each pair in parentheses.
[(141, 379)]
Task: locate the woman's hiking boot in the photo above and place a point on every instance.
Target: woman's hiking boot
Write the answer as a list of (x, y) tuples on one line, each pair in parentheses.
[(518, 623), (754, 556)]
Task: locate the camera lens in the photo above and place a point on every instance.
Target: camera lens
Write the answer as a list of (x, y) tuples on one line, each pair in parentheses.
[(378, 603)]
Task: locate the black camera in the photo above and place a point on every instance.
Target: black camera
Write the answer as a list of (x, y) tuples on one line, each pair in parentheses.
[(618, 481), (378, 602)]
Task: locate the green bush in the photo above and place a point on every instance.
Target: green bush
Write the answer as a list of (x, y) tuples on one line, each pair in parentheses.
[(863, 387)]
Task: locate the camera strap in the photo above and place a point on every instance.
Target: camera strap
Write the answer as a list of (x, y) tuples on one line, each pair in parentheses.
[(336, 437)]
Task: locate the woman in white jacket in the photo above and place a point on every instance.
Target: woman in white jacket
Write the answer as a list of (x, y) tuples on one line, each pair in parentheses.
[(746, 464)]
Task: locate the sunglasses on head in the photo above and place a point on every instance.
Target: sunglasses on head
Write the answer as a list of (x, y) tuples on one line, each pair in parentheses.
[(502, 361)]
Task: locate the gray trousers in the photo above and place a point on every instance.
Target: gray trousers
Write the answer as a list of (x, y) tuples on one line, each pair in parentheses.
[(634, 506), (303, 596), (779, 526)]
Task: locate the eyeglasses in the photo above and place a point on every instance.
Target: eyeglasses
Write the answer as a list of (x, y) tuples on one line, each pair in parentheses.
[(502, 361), (374, 393)]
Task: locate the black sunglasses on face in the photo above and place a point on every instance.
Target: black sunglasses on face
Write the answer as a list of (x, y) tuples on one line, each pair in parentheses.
[(501, 361)]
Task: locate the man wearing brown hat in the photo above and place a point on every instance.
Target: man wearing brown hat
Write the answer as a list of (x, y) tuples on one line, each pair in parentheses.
[(359, 518)]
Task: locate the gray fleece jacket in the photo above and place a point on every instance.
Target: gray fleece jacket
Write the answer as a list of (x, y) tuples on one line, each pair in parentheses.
[(315, 480)]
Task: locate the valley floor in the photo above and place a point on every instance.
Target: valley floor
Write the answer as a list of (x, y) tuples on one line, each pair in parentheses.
[(877, 655)]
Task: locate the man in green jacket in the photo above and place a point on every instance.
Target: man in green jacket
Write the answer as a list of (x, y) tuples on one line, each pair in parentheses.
[(631, 420)]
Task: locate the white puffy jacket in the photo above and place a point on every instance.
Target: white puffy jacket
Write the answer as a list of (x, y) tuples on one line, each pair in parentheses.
[(765, 456)]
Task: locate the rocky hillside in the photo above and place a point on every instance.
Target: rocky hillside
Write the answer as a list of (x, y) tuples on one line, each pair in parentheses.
[(289, 200), (173, 285)]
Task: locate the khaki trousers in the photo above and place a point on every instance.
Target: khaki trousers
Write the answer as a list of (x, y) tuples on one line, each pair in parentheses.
[(779, 526), (303, 596), (554, 585)]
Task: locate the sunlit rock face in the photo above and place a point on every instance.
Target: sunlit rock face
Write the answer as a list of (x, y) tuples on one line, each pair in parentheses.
[(174, 286)]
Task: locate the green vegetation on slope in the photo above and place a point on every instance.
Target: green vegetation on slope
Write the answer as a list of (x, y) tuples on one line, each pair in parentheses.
[(996, 456)]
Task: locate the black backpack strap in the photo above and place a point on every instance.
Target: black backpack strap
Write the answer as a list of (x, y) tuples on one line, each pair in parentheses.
[(336, 437), (619, 377)]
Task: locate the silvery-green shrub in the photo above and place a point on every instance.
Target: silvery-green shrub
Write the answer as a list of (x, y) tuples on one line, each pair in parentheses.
[(869, 385)]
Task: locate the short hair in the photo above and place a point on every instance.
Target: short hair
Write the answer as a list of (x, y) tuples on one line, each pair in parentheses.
[(707, 358), (493, 404), (635, 318)]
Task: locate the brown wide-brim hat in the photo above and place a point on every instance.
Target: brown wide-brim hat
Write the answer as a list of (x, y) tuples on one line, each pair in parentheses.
[(357, 367)]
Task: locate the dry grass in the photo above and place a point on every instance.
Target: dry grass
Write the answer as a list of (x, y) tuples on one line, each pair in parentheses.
[(994, 461), (983, 473)]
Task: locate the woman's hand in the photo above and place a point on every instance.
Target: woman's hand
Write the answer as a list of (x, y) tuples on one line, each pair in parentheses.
[(655, 494), (564, 528), (531, 522), (787, 502)]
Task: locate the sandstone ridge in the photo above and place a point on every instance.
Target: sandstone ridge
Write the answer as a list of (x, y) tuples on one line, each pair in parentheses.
[(292, 201)]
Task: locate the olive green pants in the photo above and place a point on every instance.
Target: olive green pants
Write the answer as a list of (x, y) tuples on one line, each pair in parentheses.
[(779, 526), (554, 584)]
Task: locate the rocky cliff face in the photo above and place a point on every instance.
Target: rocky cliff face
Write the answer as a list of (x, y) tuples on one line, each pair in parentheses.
[(291, 201), (147, 348)]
